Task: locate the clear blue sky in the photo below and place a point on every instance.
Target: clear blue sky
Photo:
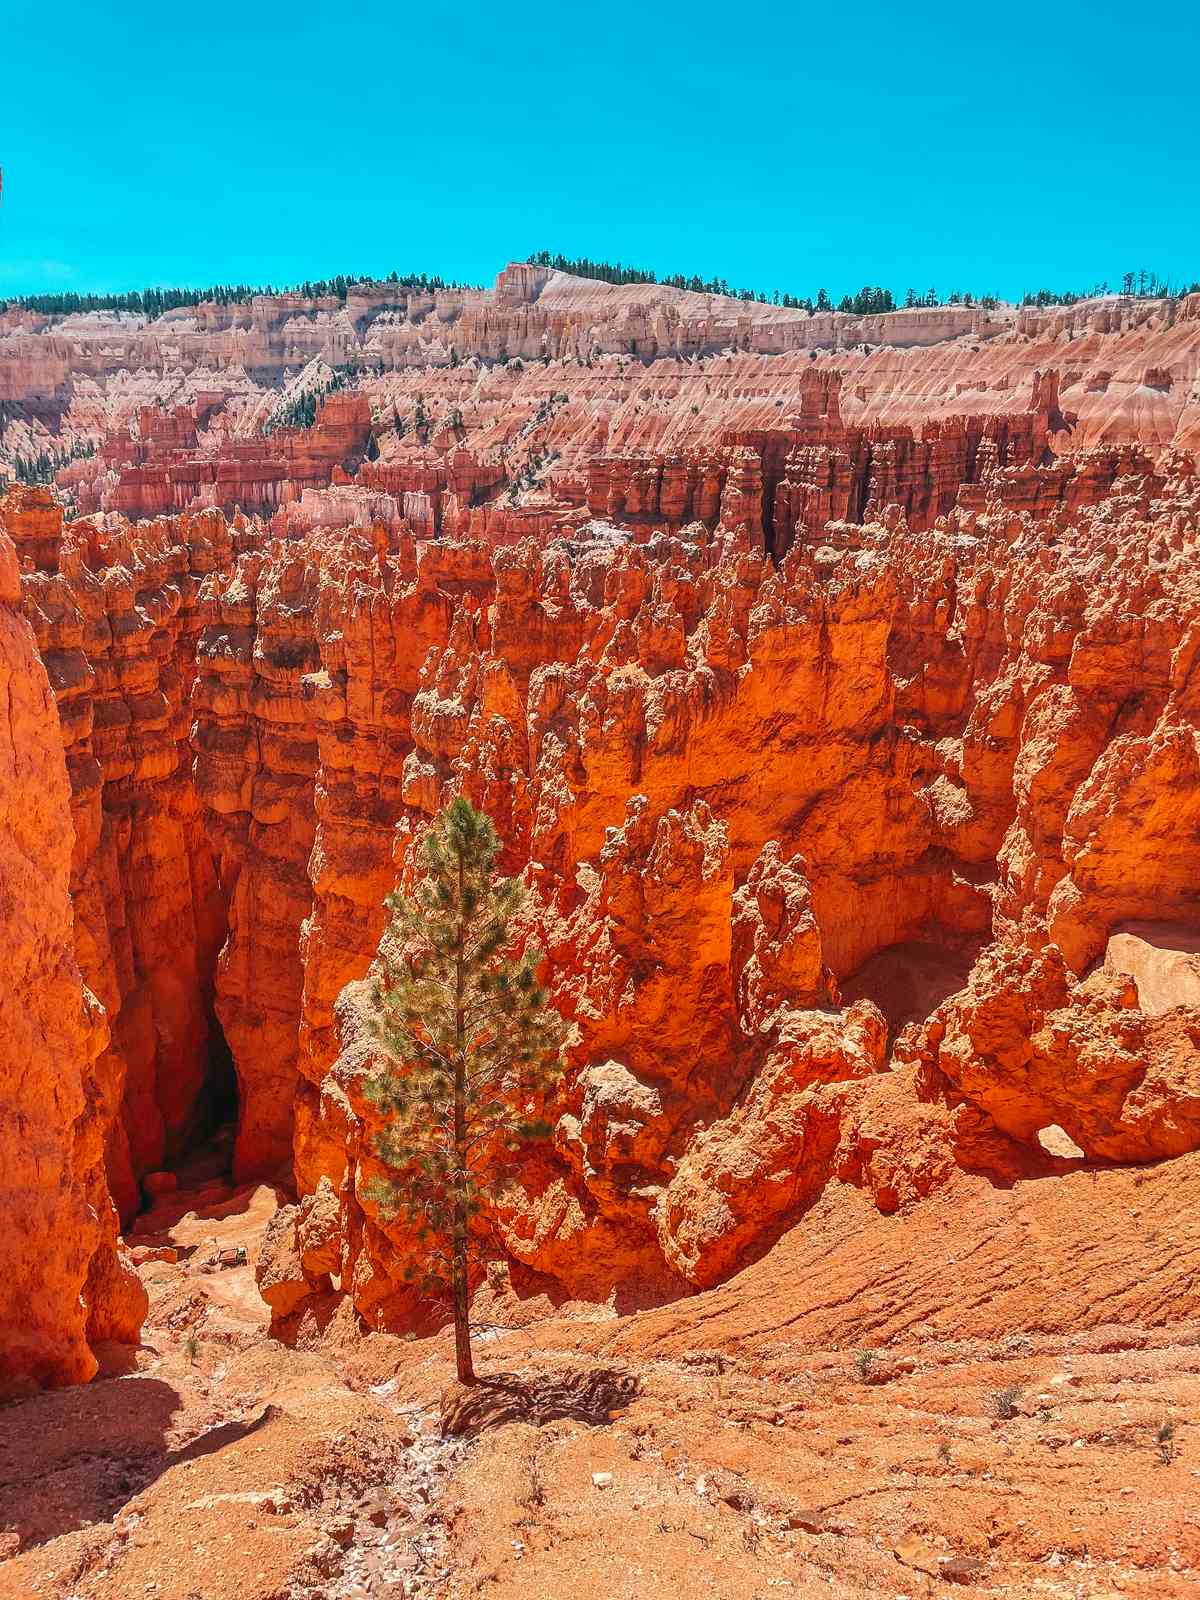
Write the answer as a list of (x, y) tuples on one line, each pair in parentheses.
[(985, 148)]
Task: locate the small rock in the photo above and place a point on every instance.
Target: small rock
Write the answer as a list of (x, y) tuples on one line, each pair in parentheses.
[(142, 1253), (732, 1491), (810, 1519), (325, 1556), (601, 1480), (921, 1556), (961, 1569), (1055, 1141)]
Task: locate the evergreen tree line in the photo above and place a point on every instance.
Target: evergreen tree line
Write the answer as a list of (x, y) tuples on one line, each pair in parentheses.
[(154, 302), (869, 301), (1139, 285), (41, 468), (301, 410), (617, 272)]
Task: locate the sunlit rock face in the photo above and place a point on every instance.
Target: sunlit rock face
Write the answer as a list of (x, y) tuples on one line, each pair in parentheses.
[(838, 705), (824, 855)]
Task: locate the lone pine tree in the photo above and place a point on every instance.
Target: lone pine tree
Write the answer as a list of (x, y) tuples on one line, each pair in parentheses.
[(471, 1045)]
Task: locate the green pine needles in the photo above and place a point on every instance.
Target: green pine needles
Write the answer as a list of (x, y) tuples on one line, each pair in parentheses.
[(472, 1047)]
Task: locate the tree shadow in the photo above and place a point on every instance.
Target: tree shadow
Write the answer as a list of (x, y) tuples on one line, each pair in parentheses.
[(655, 1285), (590, 1397), (73, 1457)]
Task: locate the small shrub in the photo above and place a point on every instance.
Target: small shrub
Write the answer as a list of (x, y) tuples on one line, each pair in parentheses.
[(944, 1452), (191, 1348), (864, 1365), (1002, 1403), (1164, 1439)]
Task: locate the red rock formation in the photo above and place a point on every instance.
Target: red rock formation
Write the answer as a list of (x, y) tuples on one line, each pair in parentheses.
[(734, 780), (639, 369), (840, 728), (114, 615), (256, 758), (65, 1284), (1033, 1048)]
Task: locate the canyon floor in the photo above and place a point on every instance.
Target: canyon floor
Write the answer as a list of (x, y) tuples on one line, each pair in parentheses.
[(968, 1398)]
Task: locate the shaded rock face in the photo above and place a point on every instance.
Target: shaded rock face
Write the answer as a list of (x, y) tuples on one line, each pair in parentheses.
[(845, 756), (114, 613), (65, 1282)]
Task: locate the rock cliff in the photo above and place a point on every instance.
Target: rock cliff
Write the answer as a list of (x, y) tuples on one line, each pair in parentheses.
[(66, 1284)]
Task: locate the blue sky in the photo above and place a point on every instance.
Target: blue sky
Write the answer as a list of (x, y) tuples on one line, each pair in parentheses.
[(991, 149)]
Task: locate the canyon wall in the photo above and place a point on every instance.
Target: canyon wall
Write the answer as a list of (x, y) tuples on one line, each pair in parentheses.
[(114, 612), (841, 718), (65, 1283)]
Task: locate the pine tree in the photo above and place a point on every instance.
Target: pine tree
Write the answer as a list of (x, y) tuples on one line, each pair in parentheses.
[(472, 1046)]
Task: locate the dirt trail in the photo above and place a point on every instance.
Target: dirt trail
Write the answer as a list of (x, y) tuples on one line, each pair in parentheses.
[(766, 1438)]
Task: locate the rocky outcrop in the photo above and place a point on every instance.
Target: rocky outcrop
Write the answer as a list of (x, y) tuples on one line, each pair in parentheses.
[(1034, 1048)]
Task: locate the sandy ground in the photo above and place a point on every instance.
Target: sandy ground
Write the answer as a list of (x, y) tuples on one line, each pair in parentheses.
[(891, 1407)]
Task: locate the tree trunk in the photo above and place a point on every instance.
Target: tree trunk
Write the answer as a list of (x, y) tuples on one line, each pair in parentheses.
[(458, 1265), (462, 1310)]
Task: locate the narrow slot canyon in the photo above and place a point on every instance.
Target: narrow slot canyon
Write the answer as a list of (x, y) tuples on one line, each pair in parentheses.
[(204, 1155), (217, 1107)]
